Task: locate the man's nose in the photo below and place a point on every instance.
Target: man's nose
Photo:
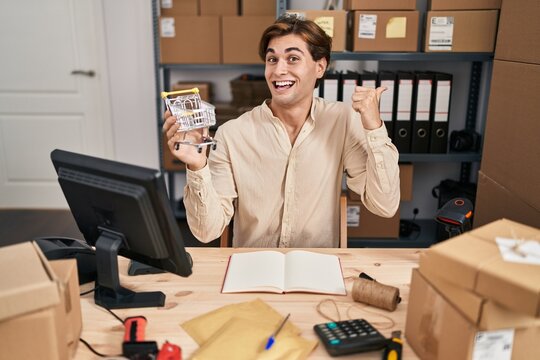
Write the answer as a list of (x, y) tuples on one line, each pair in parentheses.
[(282, 67)]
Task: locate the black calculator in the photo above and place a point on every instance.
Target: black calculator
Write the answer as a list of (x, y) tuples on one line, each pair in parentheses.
[(349, 337)]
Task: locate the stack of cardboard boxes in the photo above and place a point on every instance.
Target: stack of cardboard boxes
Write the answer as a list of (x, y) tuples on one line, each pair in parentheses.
[(467, 302), (212, 32), (509, 180)]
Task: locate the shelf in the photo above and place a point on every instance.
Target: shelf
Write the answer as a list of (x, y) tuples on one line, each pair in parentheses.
[(423, 239), (449, 157), (413, 56)]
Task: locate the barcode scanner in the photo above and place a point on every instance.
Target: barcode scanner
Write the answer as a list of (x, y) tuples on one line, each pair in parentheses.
[(456, 215)]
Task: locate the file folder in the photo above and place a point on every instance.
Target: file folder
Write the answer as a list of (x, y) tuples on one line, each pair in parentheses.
[(331, 87), (402, 121), (440, 111), (368, 79), (386, 104), (421, 110), (349, 82)]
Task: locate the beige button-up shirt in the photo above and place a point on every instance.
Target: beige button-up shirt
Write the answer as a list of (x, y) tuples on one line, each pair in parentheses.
[(285, 195)]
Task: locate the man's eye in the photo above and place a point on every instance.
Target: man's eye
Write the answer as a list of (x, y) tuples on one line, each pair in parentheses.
[(293, 59), (271, 60)]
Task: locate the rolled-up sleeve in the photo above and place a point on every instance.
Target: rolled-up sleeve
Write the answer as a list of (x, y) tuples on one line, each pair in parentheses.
[(371, 167), (209, 210)]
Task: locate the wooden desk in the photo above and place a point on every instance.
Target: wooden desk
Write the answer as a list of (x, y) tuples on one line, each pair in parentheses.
[(200, 293)]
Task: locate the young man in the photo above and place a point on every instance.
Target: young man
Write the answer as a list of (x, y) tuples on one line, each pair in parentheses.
[(278, 168)]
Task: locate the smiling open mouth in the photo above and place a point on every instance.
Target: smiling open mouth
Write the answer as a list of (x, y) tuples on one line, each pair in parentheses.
[(283, 84)]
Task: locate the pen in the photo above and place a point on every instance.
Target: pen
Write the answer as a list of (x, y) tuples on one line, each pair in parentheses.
[(272, 338)]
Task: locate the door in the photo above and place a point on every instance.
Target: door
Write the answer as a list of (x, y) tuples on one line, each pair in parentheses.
[(53, 94)]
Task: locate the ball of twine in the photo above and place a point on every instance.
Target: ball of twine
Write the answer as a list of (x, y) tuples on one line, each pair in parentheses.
[(376, 294)]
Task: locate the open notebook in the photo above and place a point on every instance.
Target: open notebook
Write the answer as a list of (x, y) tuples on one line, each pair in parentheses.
[(295, 271)]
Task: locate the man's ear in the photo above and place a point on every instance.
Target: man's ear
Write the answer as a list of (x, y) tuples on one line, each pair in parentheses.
[(322, 64)]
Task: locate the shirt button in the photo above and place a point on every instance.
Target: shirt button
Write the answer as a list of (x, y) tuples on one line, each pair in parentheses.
[(373, 138)]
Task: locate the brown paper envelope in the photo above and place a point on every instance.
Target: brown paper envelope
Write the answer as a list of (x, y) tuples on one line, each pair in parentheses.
[(204, 326), (241, 339)]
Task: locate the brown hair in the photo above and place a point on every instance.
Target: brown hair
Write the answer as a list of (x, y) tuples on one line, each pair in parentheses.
[(318, 42)]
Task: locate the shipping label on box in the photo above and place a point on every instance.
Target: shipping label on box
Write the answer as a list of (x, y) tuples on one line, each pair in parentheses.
[(353, 215), (441, 33), (167, 28)]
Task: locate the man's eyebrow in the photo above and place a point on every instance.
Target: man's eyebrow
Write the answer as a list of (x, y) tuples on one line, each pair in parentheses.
[(270, 50), (293, 49)]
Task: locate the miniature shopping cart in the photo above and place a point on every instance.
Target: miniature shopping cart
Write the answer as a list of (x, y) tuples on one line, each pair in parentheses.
[(191, 113)]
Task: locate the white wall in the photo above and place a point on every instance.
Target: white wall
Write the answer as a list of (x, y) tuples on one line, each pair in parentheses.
[(130, 55)]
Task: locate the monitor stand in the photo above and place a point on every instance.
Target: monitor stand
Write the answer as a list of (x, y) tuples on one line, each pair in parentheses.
[(137, 268), (109, 293)]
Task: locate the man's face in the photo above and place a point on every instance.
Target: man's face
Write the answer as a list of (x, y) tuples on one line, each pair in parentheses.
[(290, 70)]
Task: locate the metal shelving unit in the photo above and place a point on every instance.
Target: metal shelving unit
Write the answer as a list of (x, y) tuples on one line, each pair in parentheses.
[(478, 60)]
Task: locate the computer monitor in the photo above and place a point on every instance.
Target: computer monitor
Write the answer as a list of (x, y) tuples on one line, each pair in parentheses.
[(122, 209)]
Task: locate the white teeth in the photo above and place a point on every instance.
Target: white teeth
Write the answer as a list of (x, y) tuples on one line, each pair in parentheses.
[(284, 83)]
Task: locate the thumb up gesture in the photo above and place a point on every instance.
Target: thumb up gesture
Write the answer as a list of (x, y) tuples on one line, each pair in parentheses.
[(366, 102)]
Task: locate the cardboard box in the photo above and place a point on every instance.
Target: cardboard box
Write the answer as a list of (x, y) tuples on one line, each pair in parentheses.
[(473, 262), (190, 40), (219, 7), (179, 7), (436, 328), (241, 36), (333, 22), (519, 32), (511, 152), (259, 7), (39, 314), (461, 31), (406, 172), (362, 223), (249, 90), (385, 31), (70, 303), (464, 4), (379, 4), (494, 201)]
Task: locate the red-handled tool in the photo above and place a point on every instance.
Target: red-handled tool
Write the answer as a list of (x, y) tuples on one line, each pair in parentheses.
[(169, 352), (134, 343)]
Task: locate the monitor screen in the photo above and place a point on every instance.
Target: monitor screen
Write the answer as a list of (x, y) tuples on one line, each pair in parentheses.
[(122, 209)]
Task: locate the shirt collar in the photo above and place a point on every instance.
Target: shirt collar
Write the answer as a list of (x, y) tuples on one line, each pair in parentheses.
[(312, 111)]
